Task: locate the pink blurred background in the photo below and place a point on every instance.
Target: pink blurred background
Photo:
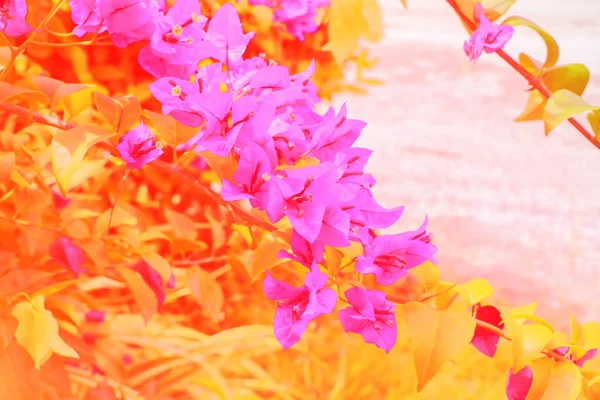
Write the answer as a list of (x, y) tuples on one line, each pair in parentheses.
[(504, 202)]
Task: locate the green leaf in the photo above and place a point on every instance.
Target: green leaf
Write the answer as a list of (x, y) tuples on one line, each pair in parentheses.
[(563, 105), (551, 45)]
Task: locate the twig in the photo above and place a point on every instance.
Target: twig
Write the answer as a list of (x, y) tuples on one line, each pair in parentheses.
[(37, 117), (533, 80)]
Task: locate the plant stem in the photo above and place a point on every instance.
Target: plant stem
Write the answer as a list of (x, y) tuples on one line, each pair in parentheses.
[(37, 117), (17, 52), (533, 80)]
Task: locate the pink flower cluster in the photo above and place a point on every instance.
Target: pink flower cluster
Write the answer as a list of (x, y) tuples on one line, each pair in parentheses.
[(298, 16), (257, 112)]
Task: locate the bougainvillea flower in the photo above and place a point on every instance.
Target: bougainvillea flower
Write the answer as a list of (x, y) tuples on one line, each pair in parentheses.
[(86, 15), (351, 163), (179, 33), (365, 213), (252, 176), (389, 257), (176, 95), (138, 147), (160, 67), (519, 384), (304, 252), (129, 21), (303, 195), (485, 340), (371, 316), (335, 227), (12, 18), (68, 254), (335, 134), (225, 40), (60, 202), (589, 355), (488, 37), (296, 307), (95, 316)]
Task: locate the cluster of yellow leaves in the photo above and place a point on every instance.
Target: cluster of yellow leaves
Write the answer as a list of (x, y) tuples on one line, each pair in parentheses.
[(209, 335)]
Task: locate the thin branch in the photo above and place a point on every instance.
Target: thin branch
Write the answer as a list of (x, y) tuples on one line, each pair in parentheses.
[(191, 179), (533, 80), (37, 117)]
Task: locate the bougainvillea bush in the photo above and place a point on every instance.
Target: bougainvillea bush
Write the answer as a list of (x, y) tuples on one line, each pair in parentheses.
[(180, 222)]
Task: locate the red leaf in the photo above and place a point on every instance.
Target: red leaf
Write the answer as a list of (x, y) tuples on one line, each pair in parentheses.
[(484, 340)]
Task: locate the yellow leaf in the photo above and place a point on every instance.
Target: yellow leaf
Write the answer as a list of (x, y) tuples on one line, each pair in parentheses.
[(563, 105), (333, 260), (37, 331), (349, 21), (142, 293), (527, 341), (72, 97), (120, 217), (224, 167), (123, 113), (573, 77), (475, 290), (265, 256), (168, 130), (594, 120), (591, 333), (494, 9), (551, 45), (418, 281), (68, 149), (542, 372), (206, 291), (577, 335), (564, 382), (436, 336), (159, 264)]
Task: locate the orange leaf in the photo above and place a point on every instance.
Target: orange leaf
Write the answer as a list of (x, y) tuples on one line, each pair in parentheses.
[(436, 336), (68, 149), (265, 256), (7, 163), (19, 379), (206, 291), (182, 225), (169, 130), (142, 293), (123, 113), (10, 92), (73, 97), (159, 264)]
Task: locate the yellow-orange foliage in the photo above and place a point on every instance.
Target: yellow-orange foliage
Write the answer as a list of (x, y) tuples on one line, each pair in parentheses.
[(63, 109)]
